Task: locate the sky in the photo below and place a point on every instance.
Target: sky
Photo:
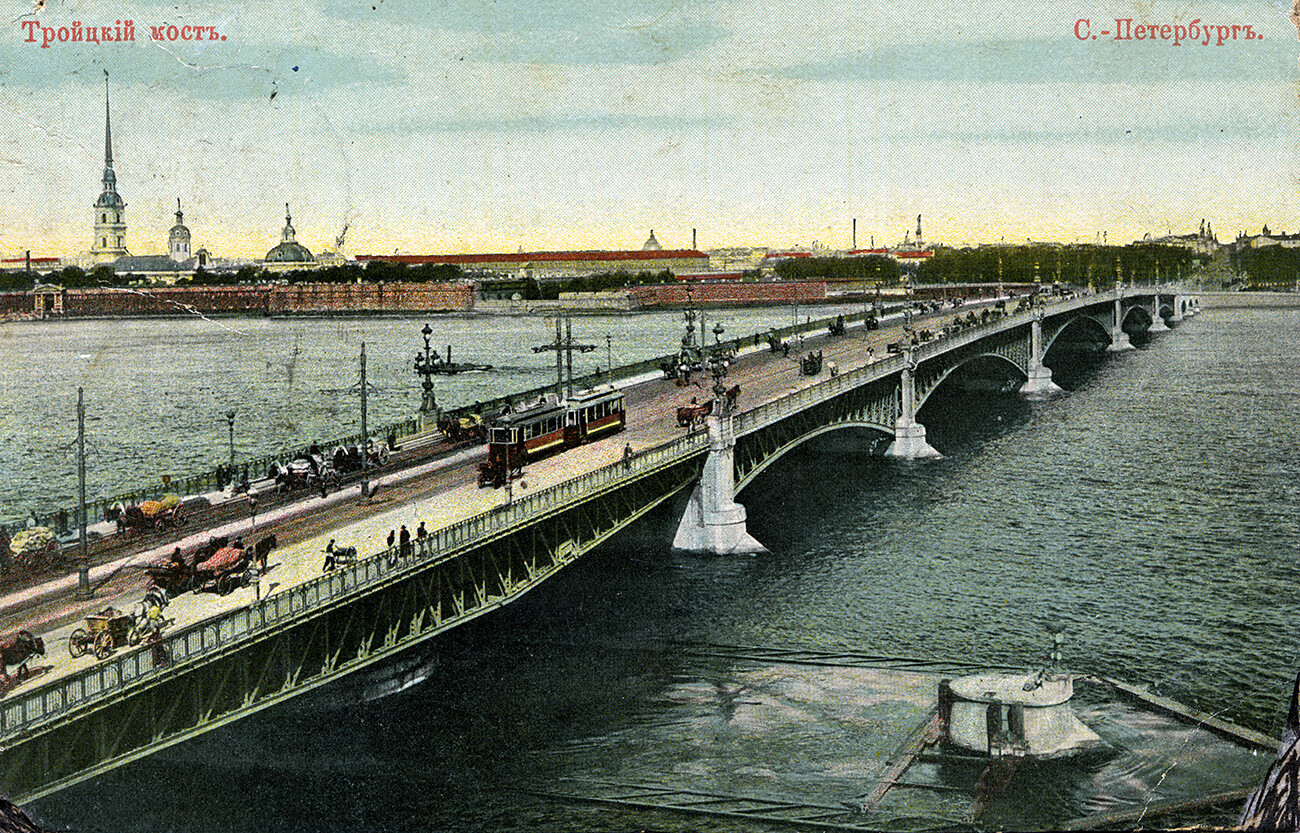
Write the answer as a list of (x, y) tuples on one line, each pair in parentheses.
[(504, 125)]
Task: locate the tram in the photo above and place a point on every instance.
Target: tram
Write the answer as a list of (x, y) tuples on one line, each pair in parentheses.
[(525, 433)]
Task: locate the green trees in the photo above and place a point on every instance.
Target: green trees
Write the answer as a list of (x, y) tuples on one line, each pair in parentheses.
[(869, 269)]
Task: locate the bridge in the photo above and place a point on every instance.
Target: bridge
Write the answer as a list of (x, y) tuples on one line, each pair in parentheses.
[(245, 654)]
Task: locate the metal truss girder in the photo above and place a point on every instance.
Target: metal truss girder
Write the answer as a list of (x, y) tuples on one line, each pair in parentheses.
[(340, 640), (874, 405)]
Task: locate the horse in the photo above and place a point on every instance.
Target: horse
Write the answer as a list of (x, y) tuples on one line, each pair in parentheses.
[(15, 649), (335, 554)]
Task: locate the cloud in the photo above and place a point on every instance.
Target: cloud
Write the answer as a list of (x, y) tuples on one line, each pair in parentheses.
[(1051, 61)]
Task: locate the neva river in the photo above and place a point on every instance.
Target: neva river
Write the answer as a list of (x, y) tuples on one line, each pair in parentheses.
[(1151, 509), (157, 392)]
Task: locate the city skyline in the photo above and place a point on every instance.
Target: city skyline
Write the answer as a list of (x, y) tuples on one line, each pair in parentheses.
[(573, 126)]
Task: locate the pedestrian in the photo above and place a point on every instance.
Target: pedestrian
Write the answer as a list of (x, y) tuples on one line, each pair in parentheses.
[(392, 536), (404, 541), (252, 508), (5, 553), (627, 456), (422, 537), (392, 552)]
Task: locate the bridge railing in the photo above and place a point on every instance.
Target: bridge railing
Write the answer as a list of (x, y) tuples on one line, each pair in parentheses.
[(223, 633), (764, 415)]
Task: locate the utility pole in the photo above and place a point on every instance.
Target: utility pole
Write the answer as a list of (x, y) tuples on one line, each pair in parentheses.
[(83, 571), (564, 347), (365, 451)]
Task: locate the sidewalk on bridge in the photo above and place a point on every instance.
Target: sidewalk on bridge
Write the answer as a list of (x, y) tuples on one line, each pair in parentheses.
[(28, 597), (544, 473)]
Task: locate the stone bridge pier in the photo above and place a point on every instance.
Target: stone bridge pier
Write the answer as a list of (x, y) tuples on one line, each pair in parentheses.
[(713, 522), (1040, 377), (909, 435), (1119, 338), (1158, 324)]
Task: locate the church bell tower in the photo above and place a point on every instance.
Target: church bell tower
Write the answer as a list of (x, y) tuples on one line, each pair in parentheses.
[(110, 210)]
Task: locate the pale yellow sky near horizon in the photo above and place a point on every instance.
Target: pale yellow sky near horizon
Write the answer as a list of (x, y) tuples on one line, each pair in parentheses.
[(463, 127)]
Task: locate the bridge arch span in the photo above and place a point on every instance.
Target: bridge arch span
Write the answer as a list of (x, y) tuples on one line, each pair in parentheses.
[(753, 469), (1142, 318), (933, 381), (1076, 322)]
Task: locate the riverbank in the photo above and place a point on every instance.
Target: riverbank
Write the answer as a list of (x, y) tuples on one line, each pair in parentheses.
[(1249, 300)]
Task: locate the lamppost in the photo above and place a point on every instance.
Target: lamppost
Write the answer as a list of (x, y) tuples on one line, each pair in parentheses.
[(230, 422), (424, 365)]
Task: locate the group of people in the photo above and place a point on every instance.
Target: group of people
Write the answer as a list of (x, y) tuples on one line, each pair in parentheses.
[(402, 540)]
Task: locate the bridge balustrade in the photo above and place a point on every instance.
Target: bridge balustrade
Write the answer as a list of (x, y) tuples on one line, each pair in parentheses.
[(116, 674), (113, 676)]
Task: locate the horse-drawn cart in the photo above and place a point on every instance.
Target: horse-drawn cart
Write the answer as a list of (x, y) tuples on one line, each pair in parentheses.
[(149, 515), (224, 571), (104, 632), (692, 415)]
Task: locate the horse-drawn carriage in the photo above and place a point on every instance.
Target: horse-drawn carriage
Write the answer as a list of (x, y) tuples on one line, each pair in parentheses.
[(692, 415), (307, 470), (470, 428), (16, 649), (348, 459), (105, 632), (836, 327), (811, 364), (148, 515)]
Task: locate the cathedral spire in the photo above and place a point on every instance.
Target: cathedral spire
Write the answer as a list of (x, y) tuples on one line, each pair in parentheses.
[(108, 130), (288, 226), (110, 218)]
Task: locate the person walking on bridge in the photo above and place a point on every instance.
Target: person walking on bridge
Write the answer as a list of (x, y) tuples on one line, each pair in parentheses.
[(422, 538), (404, 541)]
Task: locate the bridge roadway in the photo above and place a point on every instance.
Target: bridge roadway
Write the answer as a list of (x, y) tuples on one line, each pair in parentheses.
[(77, 717)]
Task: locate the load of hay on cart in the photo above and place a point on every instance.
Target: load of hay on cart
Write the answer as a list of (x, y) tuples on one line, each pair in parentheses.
[(34, 547), (148, 515)]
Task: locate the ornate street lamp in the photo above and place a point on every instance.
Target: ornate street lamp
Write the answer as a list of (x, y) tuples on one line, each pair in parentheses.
[(424, 366), (230, 422)]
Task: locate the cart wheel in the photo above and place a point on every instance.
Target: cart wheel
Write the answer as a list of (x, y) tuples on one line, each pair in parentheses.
[(225, 584), (103, 645), (78, 642)]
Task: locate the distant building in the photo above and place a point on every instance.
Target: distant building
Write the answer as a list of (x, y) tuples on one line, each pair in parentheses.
[(110, 209), (651, 245), (556, 265), (289, 254), (178, 239)]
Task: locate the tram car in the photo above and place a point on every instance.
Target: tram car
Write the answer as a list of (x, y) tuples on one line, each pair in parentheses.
[(523, 434)]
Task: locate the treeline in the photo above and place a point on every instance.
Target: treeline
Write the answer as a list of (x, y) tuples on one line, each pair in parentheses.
[(1074, 265), (71, 277), (871, 269), (1271, 266), (372, 271), (531, 289)]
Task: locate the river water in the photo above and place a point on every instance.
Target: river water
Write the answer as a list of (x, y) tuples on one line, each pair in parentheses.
[(1150, 510), (156, 392)]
